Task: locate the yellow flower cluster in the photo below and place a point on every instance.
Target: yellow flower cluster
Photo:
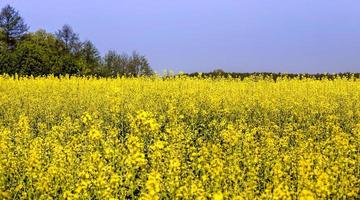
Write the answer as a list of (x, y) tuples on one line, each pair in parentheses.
[(179, 138)]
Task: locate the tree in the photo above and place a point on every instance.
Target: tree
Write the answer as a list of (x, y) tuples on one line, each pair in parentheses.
[(123, 64), (114, 63), (138, 65), (69, 38), (3, 45), (91, 57), (7, 61), (218, 72), (12, 26), (39, 53)]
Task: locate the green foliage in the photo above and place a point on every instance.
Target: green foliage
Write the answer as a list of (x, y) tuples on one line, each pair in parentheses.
[(69, 38), (90, 57), (39, 53), (12, 26), (216, 74), (123, 64), (7, 61)]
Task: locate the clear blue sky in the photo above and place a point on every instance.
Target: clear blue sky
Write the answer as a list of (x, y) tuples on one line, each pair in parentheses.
[(201, 35)]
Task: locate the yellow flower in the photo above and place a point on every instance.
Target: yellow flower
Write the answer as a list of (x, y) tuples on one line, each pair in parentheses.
[(179, 138), (218, 196), (306, 195)]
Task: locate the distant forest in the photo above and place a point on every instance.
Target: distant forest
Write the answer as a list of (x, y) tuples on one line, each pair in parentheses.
[(42, 53), (219, 73)]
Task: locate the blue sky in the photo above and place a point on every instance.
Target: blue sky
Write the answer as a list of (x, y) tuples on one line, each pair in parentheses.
[(201, 35)]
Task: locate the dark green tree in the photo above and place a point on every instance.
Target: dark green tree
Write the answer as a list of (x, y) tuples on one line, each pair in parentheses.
[(123, 64), (218, 72), (138, 65), (114, 64), (12, 26), (39, 53), (69, 38), (90, 56), (8, 61)]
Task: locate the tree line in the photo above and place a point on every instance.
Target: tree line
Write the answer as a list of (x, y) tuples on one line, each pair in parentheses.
[(42, 53), (219, 73)]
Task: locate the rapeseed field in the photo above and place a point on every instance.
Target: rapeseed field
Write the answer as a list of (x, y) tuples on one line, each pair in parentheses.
[(179, 138)]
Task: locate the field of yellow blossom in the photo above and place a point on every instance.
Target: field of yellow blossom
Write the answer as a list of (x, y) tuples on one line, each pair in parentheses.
[(179, 138)]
